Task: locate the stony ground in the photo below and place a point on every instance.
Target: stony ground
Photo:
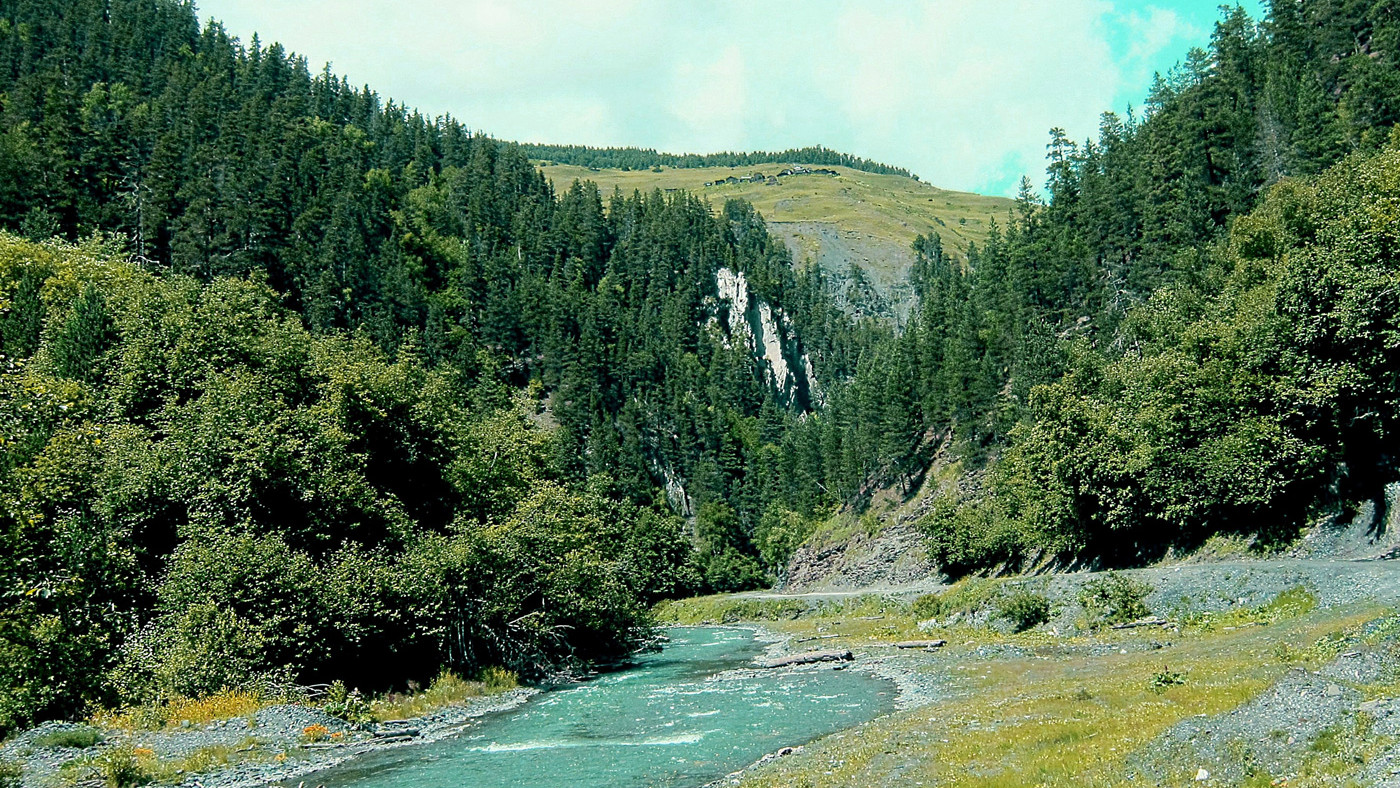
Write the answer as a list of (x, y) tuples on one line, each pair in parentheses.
[(268, 747), (1262, 673)]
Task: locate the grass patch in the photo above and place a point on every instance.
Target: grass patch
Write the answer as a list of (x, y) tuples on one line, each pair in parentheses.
[(727, 609), (842, 526), (207, 759), (885, 206), (126, 766), (1024, 723), (71, 738), (178, 711), (118, 767), (446, 690), (1335, 754), (11, 774), (1289, 604)]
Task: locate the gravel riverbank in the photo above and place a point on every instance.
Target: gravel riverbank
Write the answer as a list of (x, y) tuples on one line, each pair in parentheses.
[(269, 747)]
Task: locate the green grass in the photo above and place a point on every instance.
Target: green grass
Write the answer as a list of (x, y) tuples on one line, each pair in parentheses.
[(1291, 603), (1067, 713), (72, 738), (125, 766), (1068, 718), (447, 689), (728, 609)]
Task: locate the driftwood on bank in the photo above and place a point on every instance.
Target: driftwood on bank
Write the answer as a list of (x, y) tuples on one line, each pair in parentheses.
[(807, 658), (1150, 621), (924, 644)]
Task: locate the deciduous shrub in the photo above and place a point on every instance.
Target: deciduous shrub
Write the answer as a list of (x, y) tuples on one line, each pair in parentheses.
[(926, 606), (11, 774), (1114, 599), (1024, 609)]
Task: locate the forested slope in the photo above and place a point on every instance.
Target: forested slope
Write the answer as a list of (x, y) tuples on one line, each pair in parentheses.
[(1140, 361), (309, 381), (280, 415)]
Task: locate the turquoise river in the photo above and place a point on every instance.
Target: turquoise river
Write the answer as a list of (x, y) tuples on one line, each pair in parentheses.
[(684, 716)]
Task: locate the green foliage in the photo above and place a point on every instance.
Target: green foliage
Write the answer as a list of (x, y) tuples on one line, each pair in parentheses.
[(1114, 598), (286, 441), (121, 767), (779, 533), (229, 501), (77, 738), (638, 158), (725, 564), (11, 774), (926, 606), (728, 610), (1165, 679), (347, 704), (1024, 609), (499, 679)]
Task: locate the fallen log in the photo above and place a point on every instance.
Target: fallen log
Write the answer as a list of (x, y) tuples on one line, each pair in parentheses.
[(807, 659), (1150, 621), (924, 644)]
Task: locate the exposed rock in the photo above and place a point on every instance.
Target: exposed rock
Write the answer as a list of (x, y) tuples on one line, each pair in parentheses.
[(895, 556), (1374, 532), (764, 331)]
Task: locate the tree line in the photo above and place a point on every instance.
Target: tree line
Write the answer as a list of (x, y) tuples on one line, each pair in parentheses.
[(647, 158)]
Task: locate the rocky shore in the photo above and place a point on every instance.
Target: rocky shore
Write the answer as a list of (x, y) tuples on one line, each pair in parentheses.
[(269, 747)]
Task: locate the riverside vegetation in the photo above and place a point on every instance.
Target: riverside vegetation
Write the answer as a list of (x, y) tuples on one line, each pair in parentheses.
[(298, 383)]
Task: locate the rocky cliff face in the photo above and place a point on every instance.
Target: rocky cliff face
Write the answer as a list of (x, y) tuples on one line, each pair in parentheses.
[(896, 556), (765, 331), (748, 322)]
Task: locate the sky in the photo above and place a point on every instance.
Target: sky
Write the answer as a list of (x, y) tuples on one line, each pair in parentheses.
[(961, 92)]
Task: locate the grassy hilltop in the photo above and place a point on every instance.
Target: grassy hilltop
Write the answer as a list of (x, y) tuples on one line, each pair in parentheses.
[(855, 216)]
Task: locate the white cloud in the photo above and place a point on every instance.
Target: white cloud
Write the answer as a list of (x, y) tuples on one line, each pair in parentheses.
[(960, 91), (710, 100)]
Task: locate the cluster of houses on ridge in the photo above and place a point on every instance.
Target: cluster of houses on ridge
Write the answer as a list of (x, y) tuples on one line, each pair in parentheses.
[(772, 180)]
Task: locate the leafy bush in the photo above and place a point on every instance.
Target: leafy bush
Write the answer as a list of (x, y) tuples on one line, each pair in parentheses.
[(75, 738), (928, 606), (730, 570), (1166, 678), (1024, 609), (11, 774), (123, 767), (778, 535), (1114, 599), (496, 680), (347, 704)]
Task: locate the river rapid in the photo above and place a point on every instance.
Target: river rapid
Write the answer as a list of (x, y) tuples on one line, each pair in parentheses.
[(684, 716)]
